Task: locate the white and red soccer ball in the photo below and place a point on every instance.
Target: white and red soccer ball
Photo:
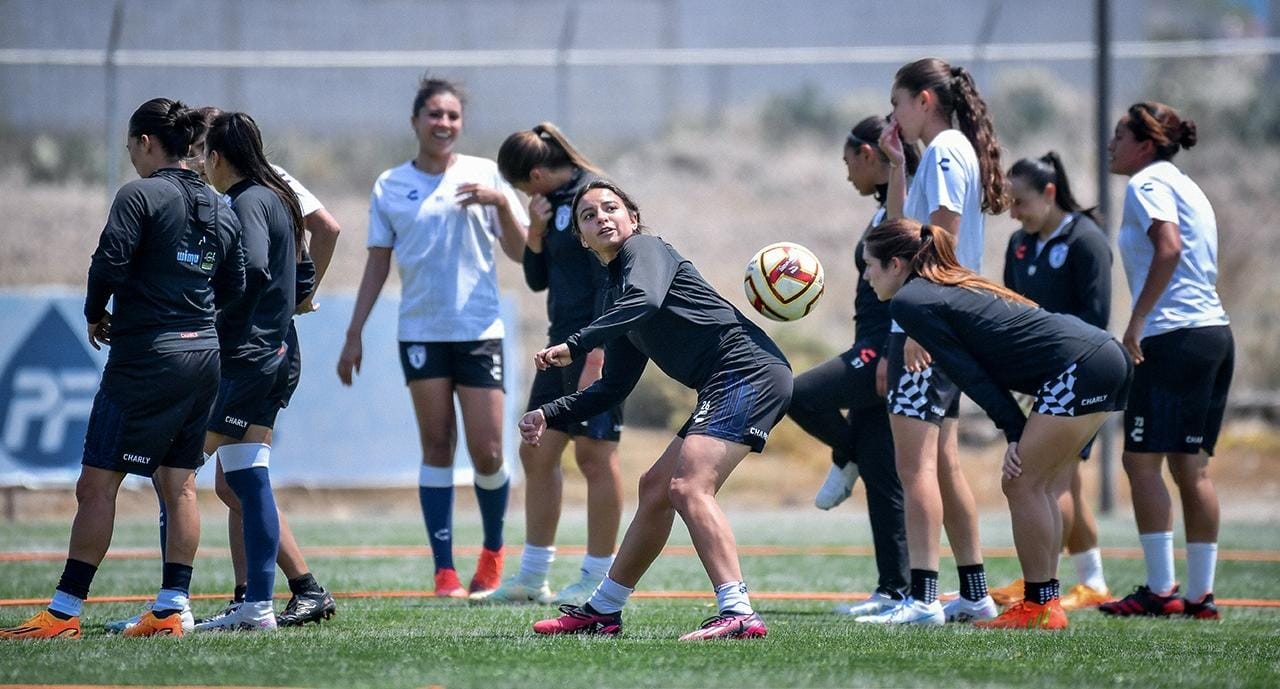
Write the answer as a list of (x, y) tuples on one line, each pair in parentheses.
[(784, 281)]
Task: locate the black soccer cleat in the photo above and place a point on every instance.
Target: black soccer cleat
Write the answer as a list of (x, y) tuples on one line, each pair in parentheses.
[(311, 606)]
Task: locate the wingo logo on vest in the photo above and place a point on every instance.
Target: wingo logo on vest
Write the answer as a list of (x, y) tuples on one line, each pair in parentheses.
[(190, 258)]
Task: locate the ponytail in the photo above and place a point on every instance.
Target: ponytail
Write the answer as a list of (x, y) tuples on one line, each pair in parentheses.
[(930, 251), (170, 122), (1045, 170), (1161, 124), (543, 146), (235, 136)]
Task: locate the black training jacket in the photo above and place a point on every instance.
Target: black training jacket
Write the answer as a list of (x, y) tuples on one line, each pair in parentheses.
[(1071, 274)]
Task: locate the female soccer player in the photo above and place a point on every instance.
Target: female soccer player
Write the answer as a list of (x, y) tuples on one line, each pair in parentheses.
[(990, 340), (658, 307), (1179, 336), (441, 213), (861, 442), (259, 352), (543, 164), (959, 179), (168, 256), (1061, 260)]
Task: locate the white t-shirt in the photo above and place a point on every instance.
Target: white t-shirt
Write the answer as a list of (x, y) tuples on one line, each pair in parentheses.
[(948, 177), (444, 252), (306, 199), (1161, 192)]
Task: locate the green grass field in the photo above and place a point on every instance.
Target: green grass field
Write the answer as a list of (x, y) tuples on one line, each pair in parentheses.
[(413, 642)]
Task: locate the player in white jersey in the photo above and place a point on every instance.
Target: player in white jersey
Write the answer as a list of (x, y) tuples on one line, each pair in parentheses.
[(1179, 337), (959, 178), (440, 214)]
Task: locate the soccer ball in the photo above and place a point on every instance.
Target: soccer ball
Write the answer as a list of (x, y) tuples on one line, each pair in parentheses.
[(784, 281)]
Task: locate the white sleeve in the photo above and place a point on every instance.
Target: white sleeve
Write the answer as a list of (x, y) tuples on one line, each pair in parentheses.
[(1154, 201), (381, 234), (943, 182), (513, 201), (306, 199)]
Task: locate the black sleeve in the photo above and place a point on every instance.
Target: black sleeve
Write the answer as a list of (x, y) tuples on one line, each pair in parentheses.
[(927, 327), (1008, 259), (623, 366), (647, 271), (228, 281), (535, 268), (109, 267), (257, 255), (1091, 270), (304, 277)]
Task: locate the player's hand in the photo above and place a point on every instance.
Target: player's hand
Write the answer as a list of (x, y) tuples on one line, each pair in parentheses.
[(307, 306), (100, 332), (914, 357), (1133, 339), (350, 359), (882, 377), (553, 356), (539, 215), (472, 193), (531, 427), (891, 144), (1012, 466)]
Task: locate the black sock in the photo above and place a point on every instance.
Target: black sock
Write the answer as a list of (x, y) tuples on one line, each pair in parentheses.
[(891, 593), (1040, 593), (77, 576), (176, 577), (973, 582), (924, 585), (238, 595), (304, 584)]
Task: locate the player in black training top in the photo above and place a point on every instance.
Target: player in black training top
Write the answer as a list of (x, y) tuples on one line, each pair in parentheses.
[(167, 257), (542, 163), (658, 307), (990, 341)]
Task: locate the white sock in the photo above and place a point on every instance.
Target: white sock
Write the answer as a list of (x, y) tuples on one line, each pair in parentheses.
[(66, 603), (492, 481), (1089, 569), (1157, 550), (610, 596), (731, 596), (258, 609), (1202, 561), (535, 561), (596, 568), (172, 599), (435, 477)]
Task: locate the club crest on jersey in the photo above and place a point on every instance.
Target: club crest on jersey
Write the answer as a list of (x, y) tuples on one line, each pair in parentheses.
[(1058, 256), (417, 355), (563, 216)]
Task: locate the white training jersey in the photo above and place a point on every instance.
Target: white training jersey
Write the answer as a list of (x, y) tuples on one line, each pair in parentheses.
[(306, 199), (443, 251), (948, 177), (1162, 192)]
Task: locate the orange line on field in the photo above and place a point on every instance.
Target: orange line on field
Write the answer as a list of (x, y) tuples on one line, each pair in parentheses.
[(123, 686), (472, 551), (666, 595)]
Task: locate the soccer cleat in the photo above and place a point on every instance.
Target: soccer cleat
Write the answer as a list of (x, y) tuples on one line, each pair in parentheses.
[(729, 626), (44, 625), (908, 611), (448, 585), (232, 606), (879, 602), (581, 620), (1081, 596), (119, 626), (311, 606), (248, 617), (1144, 602), (962, 609), (837, 487), (1010, 594), (1204, 610), (1028, 615), (150, 625), (488, 575), (577, 593), (514, 592)]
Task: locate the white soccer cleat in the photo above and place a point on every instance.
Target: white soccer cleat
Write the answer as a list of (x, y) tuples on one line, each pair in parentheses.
[(513, 591), (879, 602), (244, 617), (119, 626), (837, 487), (962, 609), (908, 611), (578, 592)]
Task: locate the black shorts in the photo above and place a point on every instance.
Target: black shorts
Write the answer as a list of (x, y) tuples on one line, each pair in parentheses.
[(152, 412), (1180, 391), (1097, 382), (475, 364), (554, 383), (928, 395), (255, 400), (742, 406)]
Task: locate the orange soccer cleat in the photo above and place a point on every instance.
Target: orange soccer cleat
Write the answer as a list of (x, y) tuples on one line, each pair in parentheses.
[(488, 571), (150, 625), (1010, 594), (1029, 615), (448, 585), (44, 625), (1081, 596)]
